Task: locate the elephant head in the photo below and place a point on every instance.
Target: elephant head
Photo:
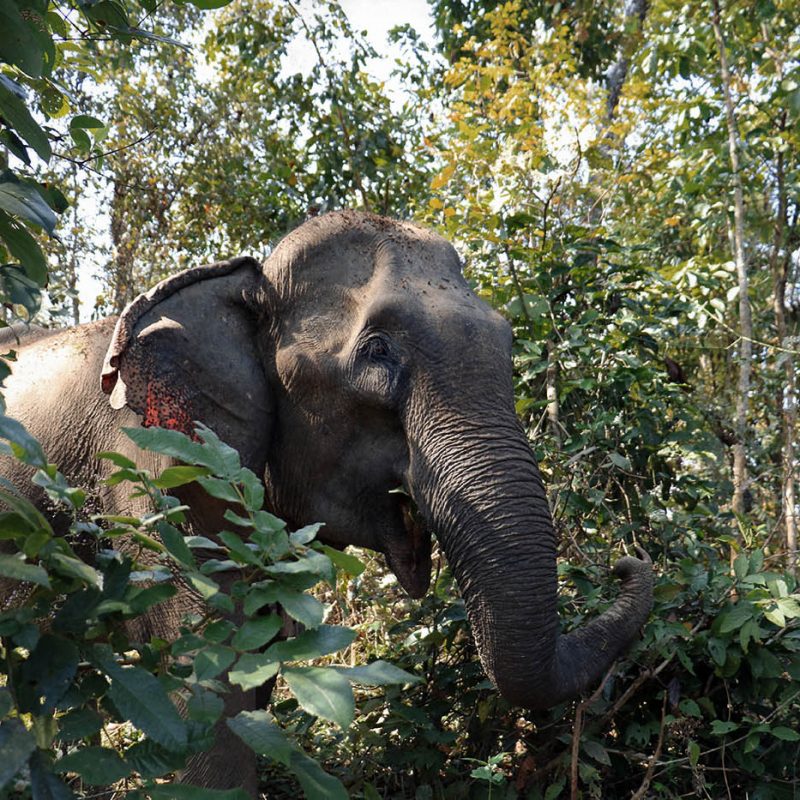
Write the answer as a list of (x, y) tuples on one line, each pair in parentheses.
[(354, 361)]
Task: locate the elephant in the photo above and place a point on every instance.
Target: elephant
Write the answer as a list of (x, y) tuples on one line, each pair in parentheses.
[(354, 360)]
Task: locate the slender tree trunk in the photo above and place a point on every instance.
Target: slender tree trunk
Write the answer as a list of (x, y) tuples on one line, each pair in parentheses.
[(551, 377), (72, 268), (779, 262), (745, 316), (616, 75), (635, 12)]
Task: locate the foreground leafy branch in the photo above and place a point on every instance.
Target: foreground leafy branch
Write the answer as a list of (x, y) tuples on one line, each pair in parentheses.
[(85, 704)]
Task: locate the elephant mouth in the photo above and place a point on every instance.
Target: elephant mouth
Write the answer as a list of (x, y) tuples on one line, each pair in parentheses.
[(409, 553)]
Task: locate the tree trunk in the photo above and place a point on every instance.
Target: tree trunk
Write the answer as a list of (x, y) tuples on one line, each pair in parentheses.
[(551, 377), (745, 316), (779, 262), (635, 11), (72, 266)]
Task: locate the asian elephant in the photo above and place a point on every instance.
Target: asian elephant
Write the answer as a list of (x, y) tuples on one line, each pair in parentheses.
[(354, 360)]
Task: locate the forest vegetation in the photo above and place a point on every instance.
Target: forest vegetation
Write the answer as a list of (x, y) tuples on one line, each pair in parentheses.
[(622, 181)]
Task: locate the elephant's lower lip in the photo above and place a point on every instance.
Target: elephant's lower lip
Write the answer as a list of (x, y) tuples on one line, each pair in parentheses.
[(409, 556)]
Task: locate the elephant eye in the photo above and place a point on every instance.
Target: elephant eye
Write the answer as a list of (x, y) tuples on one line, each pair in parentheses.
[(378, 369), (376, 348)]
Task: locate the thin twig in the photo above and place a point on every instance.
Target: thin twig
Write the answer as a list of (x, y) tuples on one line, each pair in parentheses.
[(81, 162), (648, 775), (578, 728)]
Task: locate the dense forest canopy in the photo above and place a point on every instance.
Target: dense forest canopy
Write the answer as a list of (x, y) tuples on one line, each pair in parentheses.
[(622, 181)]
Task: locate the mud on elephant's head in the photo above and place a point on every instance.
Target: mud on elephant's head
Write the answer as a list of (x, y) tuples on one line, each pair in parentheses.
[(357, 361)]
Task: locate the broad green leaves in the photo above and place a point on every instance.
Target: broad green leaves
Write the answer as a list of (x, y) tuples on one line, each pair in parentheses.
[(323, 692), (139, 697), (68, 686)]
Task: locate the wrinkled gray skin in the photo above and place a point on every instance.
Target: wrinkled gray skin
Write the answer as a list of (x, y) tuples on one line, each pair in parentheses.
[(355, 360)]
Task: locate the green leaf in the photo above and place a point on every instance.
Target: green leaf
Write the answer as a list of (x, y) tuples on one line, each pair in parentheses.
[(16, 114), (242, 552), (212, 661), (25, 446), (151, 760), (733, 617), (26, 41), (775, 616), (620, 461), (25, 202), (596, 751), (174, 444), (176, 545), (303, 607), (218, 631), (81, 139), (24, 248), (312, 644), (253, 490), (316, 783), (204, 585), (173, 477), (305, 535), (690, 708), (183, 791), (310, 562), (79, 724), (47, 674), (117, 459), (18, 289), (202, 543), (85, 121), (789, 607), (205, 706), (14, 144), (53, 102), (219, 488), (322, 692), (721, 727), (694, 753), (261, 734), (378, 673), (208, 5), (44, 784), (98, 766), (142, 599), (226, 460), (75, 568), (718, 651), (554, 789), (140, 698), (253, 670), (27, 510), (255, 633), (785, 734), (344, 561), (16, 744), (14, 567)]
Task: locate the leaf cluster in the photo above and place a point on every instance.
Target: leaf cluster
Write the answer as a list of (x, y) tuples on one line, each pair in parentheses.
[(85, 702)]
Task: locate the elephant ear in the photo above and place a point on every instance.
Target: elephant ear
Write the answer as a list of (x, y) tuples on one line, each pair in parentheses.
[(188, 350)]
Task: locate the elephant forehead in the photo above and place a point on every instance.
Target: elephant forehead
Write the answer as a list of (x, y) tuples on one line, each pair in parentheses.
[(347, 249)]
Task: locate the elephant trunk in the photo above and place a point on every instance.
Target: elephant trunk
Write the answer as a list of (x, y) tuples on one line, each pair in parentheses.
[(483, 496)]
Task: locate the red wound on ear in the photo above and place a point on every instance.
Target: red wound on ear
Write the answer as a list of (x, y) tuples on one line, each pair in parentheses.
[(165, 407)]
